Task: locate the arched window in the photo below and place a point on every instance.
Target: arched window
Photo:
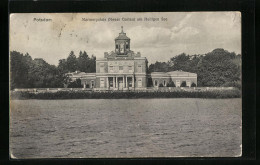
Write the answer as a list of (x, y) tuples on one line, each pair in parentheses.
[(164, 83), (155, 83)]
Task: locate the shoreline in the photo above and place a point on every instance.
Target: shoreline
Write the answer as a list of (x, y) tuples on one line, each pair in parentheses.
[(59, 95)]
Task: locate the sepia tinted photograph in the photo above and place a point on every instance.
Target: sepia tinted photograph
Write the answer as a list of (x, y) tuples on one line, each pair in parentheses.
[(125, 85)]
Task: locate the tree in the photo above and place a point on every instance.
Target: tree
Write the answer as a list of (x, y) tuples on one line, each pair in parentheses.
[(180, 62), (44, 75), (185, 62), (19, 68), (83, 62), (159, 67), (92, 64), (217, 68), (37, 73), (72, 62), (63, 66)]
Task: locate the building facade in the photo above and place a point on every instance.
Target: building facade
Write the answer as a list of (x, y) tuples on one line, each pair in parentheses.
[(123, 69)]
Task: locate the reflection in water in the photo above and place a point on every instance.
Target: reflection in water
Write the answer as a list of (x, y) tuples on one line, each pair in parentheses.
[(125, 128)]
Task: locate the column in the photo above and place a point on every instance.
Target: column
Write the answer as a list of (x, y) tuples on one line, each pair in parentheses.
[(113, 82), (133, 81), (107, 82), (126, 82), (123, 81), (116, 83)]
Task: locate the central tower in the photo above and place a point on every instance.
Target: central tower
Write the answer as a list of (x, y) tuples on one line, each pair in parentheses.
[(122, 44)]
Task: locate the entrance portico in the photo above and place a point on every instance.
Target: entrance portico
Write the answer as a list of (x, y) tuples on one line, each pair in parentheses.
[(120, 82)]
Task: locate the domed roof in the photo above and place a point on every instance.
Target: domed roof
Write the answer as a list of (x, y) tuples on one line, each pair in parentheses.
[(122, 35)]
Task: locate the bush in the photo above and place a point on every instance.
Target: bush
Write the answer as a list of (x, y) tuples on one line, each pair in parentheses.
[(183, 84), (160, 85), (232, 93), (236, 84), (170, 84), (193, 85)]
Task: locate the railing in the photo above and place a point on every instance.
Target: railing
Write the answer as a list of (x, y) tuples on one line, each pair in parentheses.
[(51, 89), (148, 89)]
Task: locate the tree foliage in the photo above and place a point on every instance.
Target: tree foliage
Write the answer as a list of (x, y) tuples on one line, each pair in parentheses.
[(26, 72), (83, 63), (159, 67), (216, 68), (72, 62)]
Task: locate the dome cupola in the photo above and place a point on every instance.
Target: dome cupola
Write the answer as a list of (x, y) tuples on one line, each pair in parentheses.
[(122, 43)]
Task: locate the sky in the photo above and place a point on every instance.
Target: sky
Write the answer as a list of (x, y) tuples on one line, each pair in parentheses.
[(178, 32)]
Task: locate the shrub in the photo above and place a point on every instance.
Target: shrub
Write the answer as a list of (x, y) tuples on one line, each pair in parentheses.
[(183, 84), (236, 84), (160, 85), (234, 93), (193, 85)]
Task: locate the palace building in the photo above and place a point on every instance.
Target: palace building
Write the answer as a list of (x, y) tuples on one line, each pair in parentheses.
[(123, 69)]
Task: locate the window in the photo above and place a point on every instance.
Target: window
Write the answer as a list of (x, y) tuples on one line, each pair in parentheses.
[(115, 68), (140, 82), (116, 46), (155, 83), (102, 83), (130, 82), (87, 85), (130, 69), (120, 68), (101, 67), (111, 68), (127, 46), (139, 68), (110, 83), (164, 83), (122, 49)]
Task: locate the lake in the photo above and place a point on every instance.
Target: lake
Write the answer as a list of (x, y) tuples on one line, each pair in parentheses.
[(125, 128)]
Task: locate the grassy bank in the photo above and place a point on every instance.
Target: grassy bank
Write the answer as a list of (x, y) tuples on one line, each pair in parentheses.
[(234, 93)]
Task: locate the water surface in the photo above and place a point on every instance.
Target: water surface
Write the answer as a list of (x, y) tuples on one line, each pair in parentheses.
[(125, 128)]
